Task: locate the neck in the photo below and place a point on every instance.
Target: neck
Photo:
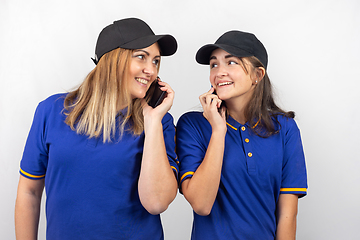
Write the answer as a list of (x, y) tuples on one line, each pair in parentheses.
[(236, 109), (237, 114)]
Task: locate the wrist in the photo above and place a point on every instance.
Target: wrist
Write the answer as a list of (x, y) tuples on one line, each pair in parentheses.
[(219, 132), (152, 123)]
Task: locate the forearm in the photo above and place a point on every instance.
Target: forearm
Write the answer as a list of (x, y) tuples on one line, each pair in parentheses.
[(202, 188), (157, 182), (27, 213), (286, 217), (286, 228)]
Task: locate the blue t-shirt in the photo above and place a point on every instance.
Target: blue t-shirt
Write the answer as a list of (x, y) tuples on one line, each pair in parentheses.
[(91, 186), (255, 171)]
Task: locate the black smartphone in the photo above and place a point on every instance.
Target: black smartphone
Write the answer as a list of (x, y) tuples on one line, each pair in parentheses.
[(157, 94)]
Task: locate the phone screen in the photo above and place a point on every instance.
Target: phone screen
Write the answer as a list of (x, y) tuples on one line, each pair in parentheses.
[(157, 94)]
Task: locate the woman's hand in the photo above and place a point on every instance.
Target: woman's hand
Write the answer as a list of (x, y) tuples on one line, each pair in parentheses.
[(212, 111), (159, 112)]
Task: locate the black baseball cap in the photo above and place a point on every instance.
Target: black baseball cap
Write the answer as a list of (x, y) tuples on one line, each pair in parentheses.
[(132, 33), (237, 43)]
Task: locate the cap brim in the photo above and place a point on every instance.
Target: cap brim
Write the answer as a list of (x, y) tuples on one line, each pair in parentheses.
[(167, 43), (204, 53)]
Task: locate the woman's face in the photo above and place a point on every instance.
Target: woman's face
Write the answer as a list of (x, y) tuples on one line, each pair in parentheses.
[(228, 77), (143, 70)]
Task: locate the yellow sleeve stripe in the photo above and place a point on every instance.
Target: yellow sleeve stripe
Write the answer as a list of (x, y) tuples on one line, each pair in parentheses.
[(174, 169), (30, 175), (231, 126), (185, 174), (293, 189)]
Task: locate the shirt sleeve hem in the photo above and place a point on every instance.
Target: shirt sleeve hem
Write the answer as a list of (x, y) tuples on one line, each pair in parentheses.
[(175, 172), (186, 175), (298, 191), (31, 176)]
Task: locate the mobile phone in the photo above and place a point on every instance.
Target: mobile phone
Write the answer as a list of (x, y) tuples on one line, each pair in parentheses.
[(157, 95)]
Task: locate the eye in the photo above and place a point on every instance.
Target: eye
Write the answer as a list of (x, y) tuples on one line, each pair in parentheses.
[(156, 62), (140, 56), (231, 62), (213, 65)]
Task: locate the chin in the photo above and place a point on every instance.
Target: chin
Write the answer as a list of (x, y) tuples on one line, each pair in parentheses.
[(222, 97), (138, 96), (141, 95)]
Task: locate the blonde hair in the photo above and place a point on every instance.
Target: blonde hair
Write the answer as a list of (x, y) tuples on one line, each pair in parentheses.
[(92, 108)]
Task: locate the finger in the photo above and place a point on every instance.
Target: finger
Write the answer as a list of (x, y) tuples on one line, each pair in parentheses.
[(208, 92), (212, 99), (208, 99), (223, 112), (170, 94), (162, 83), (218, 104), (202, 98), (212, 89), (165, 87), (205, 99)]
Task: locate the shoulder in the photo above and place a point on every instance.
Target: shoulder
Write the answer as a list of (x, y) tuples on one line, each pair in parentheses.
[(288, 126), (192, 117), (194, 120), (56, 99), (54, 103), (167, 117), (286, 122)]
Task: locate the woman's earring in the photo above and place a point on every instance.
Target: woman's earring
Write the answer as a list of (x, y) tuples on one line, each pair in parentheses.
[(256, 81)]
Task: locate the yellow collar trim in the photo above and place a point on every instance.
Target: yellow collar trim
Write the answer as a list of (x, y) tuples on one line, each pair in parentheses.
[(231, 126)]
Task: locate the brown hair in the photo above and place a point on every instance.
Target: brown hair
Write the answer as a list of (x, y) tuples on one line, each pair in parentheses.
[(92, 108), (262, 111)]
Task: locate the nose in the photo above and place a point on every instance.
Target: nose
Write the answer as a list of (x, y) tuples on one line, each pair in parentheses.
[(149, 68), (221, 71)]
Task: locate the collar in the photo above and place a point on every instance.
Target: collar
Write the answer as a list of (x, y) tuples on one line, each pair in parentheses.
[(233, 124)]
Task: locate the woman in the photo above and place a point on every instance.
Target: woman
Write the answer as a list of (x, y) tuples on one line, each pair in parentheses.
[(242, 166), (105, 156)]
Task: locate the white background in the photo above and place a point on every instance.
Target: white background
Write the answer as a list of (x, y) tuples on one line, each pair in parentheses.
[(314, 56)]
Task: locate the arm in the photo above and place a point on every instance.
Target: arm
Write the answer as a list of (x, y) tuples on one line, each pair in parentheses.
[(201, 189), (27, 208), (286, 216), (157, 182)]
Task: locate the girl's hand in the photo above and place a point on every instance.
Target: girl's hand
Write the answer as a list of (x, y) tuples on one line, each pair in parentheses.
[(159, 112), (211, 104)]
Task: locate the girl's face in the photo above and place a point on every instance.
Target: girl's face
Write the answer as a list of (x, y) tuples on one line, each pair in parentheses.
[(143, 70), (228, 77)]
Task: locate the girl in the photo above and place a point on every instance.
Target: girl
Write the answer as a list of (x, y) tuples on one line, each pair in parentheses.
[(105, 156), (242, 166)]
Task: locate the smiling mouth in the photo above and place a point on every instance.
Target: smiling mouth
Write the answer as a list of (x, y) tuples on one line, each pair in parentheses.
[(224, 83), (141, 80)]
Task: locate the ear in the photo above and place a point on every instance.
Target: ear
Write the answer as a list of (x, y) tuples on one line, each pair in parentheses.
[(259, 74)]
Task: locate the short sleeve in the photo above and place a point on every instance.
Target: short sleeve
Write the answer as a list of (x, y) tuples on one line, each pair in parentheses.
[(35, 156), (169, 139), (191, 145), (294, 176)]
